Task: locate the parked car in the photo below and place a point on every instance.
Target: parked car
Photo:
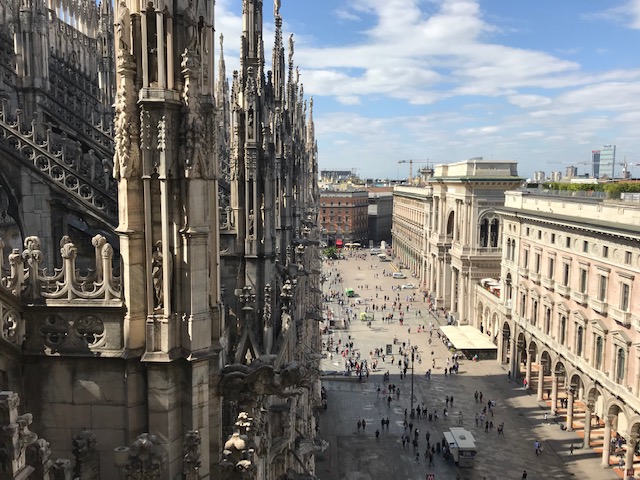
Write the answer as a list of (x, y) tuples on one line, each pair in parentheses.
[(408, 286), (399, 275)]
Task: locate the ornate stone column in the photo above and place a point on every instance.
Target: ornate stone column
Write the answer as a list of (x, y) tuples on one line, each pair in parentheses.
[(570, 395), (554, 393), (588, 411), (631, 447), (528, 370), (513, 354), (606, 442), (540, 380)]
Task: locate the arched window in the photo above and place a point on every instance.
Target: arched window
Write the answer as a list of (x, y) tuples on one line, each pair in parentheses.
[(620, 365), (484, 233), (534, 316), (547, 321), (599, 351), (508, 249), (493, 232), (450, 224), (579, 341)]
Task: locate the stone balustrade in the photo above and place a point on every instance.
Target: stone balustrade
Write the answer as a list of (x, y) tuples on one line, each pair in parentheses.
[(31, 283)]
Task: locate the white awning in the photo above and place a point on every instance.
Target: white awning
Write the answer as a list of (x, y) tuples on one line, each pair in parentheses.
[(466, 337)]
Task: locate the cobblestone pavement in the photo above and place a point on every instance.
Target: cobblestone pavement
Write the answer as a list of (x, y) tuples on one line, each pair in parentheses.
[(357, 455)]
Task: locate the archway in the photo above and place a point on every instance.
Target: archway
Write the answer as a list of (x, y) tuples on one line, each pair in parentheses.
[(451, 221), (480, 318), (505, 343), (558, 384), (521, 354)]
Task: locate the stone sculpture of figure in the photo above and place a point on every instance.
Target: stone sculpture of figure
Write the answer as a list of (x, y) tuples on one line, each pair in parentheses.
[(251, 222), (157, 273), (276, 7), (191, 26), (123, 27)]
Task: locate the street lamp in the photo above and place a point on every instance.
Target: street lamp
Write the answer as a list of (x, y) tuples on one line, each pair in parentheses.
[(413, 357)]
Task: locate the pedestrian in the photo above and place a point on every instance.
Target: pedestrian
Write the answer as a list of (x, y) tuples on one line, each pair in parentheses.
[(364, 424), (359, 425), (386, 422), (571, 449), (524, 474), (451, 400), (382, 423), (377, 434), (545, 417), (475, 396), (537, 447), (417, 456), (486, 426)]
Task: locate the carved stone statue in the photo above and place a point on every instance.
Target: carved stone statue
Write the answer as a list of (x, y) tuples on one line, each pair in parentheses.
[(157, 273), (191, 26), (276, 7), (244, 382), (123, 27)]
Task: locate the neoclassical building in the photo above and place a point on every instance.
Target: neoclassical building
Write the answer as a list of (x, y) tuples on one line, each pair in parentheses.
[(448, 232), (567, 314)]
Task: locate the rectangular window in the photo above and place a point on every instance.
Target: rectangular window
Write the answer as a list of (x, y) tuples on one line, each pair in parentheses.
[(539, 234), (583, 280), (567, 242), (553, 238), (585, 246), (525, 260), (528, 230), (625, 291), (537, 263), (627, 258), (602, 288), (605, 252), (565, 274), (552, 268)]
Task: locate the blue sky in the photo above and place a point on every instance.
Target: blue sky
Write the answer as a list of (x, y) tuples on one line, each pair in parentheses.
[(540, 82)]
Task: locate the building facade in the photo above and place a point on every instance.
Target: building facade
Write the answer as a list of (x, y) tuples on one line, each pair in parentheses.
[(380, 214), (568, 314), (344, 215), (604, 162), (412, 210), (447, 233)]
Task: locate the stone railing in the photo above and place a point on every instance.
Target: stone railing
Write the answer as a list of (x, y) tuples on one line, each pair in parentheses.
[(86, 177), (29, 282)]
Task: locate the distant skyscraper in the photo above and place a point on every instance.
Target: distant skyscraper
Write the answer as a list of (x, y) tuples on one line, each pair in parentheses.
[(538, 176), (604, 161)]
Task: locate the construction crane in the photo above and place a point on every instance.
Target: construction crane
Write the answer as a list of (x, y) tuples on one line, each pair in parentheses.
[(410, 162)]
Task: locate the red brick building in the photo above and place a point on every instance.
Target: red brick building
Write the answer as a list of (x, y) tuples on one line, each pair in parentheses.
[(343, 215)]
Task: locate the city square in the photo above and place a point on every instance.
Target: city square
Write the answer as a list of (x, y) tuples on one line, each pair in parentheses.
[(357, 454)]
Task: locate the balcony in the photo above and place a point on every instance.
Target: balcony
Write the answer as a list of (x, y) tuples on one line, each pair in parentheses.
[(620, 316), (535, 277), (563, 290), (548, 283), (523, 272), (598, 305), (579, 297)]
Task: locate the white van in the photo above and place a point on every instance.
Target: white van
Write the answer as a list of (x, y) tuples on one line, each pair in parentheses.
[(461, 446), (398, 275)]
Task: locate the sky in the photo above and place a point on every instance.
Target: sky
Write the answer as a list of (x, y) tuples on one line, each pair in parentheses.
[(540, 82)]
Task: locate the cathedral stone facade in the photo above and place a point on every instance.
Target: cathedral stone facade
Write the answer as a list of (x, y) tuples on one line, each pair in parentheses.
[(160, 295)]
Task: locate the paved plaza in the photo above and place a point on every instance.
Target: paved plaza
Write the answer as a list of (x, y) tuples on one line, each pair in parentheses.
[(356, 454)]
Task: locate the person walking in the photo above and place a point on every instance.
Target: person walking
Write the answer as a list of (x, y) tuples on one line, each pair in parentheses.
[(571, 449), (524, 474)]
